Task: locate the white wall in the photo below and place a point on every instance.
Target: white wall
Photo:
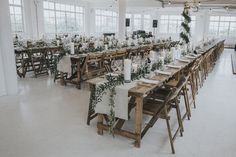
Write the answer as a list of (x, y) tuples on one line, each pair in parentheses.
[(8, 78), (34, 22), (2, 79)]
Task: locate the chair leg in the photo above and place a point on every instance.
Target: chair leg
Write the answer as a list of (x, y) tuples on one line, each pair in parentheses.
[(186, 101), (197, 81), (169, 132), (193, 90), (179, 117)]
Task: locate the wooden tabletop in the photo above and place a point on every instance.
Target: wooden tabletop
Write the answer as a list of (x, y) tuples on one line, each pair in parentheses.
[(139, 90), (18, 50)]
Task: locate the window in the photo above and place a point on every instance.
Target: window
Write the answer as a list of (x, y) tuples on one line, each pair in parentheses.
[(63, 18), (222, 26), (106, 21), (147, 23), (164, 24), (16, 13), (170, 24), (137, 22)]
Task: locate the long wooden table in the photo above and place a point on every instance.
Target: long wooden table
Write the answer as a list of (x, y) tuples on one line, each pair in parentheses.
[(138, 93), (24, 57), (81, 61)]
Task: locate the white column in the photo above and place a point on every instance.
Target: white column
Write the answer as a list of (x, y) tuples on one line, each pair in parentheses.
[(201, 28), (2, 78), (7, 50), (31, 19), (142, 21), (122, 12), (206, 24), (40, 19), (87, 21), (92, 24)]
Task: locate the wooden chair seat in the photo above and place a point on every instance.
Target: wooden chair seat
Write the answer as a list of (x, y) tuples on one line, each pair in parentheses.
[(153, 107), (160, 109), (172, 83)]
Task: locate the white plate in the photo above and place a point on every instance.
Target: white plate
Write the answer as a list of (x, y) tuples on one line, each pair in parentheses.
[(174, 66), (163, 72), (184, 60)]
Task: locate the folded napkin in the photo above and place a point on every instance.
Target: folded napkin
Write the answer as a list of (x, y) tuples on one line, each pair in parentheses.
[(64, 65), (162, 72), (195, 55), (112, 74), (149, 81), (174, 66), (201, 52), (184, 60), (190, 57)]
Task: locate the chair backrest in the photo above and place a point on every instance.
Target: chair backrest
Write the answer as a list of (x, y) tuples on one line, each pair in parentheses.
[(182, 82), (95, 57), (110, 55), (120, 53)]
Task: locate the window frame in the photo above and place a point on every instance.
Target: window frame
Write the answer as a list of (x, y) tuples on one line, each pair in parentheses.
[(103, 19), (171, 21), (218, 23), (66, 10), (14, 23)]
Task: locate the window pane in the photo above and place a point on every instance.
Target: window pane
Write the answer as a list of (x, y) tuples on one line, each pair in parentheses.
[(222, 26), (105, 21), (63, 18), (16, 16), (17, 2)]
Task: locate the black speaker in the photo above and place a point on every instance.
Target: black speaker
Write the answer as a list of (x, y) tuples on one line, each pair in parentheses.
[(154, 23), (127, 22)]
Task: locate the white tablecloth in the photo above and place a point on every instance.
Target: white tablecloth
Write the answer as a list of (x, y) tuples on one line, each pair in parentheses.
[(121, 101), (64, 65)]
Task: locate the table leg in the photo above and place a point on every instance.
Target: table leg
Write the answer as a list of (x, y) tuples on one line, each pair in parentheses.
[(79, 74), (100, 121), (138, 120), (62, 79)]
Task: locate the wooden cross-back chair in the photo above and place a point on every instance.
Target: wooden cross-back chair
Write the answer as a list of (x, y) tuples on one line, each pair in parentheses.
[(38, 61), (144, 51), (108, 57), (51, 57), (94, 65), (194, 79), (121, 54), (209, 61), (159, 103), (205, 65), (162, 46), (133, 52), (22, 62)]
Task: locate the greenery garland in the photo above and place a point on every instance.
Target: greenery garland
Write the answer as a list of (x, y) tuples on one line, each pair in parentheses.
[(157, 66), (110, 85), (186, 27), (185, 34), (184, 37)]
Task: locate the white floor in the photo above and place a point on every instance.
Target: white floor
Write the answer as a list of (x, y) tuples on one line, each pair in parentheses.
[(49, 120)]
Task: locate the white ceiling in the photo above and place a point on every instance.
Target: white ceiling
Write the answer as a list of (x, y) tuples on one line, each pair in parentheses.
[(221, 2), (155, 4)]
